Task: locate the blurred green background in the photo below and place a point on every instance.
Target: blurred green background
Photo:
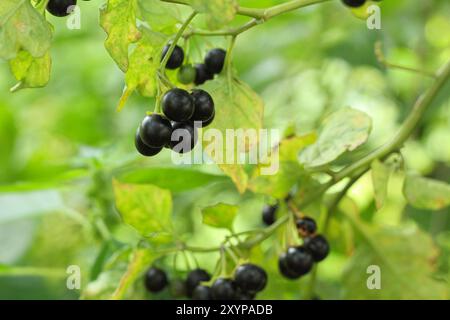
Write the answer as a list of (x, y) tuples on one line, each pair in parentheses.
[(61, 145)]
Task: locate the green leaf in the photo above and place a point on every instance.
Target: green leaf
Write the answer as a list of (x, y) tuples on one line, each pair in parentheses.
[(22, 27), (182, 179), (424, 193), (29, 71), (146, 208), (380, 179), (118, 19), (160, 16), (220, 215), (237, 107), (218, 12), (344, 130)]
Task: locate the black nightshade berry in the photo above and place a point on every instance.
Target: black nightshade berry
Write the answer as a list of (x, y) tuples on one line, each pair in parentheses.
[(176, 58), (250, 278), (178, 105), (223, 289), (269, 214), (354, 3), (194, 278), (61, 8), (284, 270), (209, 121), (215, 59), (299, 260), (144, 149), (155, 280), (186, 74), (318, 246), (202, 74), (184, 137), (203, 105), (155, 131), (306, 226), (202, 293), (242, 295)]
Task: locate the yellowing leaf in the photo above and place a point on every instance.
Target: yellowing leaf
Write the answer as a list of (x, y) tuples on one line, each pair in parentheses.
[(118, 19), (426, 193), (29, 71), (220, 215)]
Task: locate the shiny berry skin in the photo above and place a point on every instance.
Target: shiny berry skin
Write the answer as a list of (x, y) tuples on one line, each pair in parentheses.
[(299, 260), (176, 59), (61, 8), (202, 74), (306, 226), (223, 289), (215, 59), (242, 295), (284, 270), (318, 246), (184, 137), (186, 74), (203, 105), (250, 278), (269, 214), (178, 105), (202, 293), (194, 278), (144, 149), (155, 131), (155, 280), (209, 121), (354, 3)]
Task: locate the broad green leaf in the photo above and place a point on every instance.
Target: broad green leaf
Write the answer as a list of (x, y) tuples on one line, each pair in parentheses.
[(22, 27), (182, 179), (344, 130), (29, 71), (282, 160), (218, 12), (424, 193), (220, 215), (405, 257), (146, 208), (118, 19), (160, 16), (380, 180), (237, 107)]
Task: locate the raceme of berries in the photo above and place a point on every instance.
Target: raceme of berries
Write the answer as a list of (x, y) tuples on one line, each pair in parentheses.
[(354, 3), (178, 105), (223, 289), (155, 280), (202, 74), (215, 60), (176, 58), (250, 278), (155, 131), (269, 214), (193, 280), (203, 105), (184, 137), (144, 149), (306, 226), (318, 247), (61, 8)]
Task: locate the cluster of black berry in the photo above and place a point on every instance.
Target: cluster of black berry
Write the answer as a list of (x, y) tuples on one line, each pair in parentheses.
[(201, 72), (356, 3), (249, 279)]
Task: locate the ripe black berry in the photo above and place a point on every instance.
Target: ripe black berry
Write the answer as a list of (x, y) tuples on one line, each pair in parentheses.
[(194, 278), (176, 59), (354, 3), (242, 295), (202, 74), (223, 289), (318, 246), (215, 59), (269, 214), (155, 131), (184, 137), (144, 149), (203, 105), (178, 105), (61, 8), (155, 280), (250, 278), (299, 260), (202, 293), (209, 121), (306, 226), (284, 270), (186, 74)]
